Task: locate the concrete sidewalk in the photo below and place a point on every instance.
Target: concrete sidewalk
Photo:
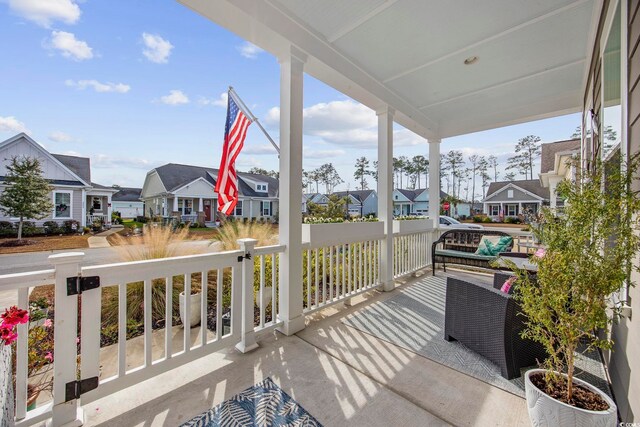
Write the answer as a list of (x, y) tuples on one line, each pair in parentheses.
[(100, 239)]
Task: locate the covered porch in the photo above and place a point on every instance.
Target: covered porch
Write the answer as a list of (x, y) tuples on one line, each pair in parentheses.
[(507, 67)]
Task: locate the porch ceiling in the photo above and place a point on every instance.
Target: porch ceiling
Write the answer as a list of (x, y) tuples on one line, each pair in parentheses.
[(410, 54)]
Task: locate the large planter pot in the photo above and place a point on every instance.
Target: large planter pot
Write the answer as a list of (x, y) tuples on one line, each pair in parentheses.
[(545, 411), (194, 307), (320, 235), (410, 226)]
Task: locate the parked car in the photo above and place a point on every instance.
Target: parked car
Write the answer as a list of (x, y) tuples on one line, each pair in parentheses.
[(448, 222)]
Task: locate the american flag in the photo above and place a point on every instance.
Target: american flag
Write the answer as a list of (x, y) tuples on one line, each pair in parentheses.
[(235, 132)]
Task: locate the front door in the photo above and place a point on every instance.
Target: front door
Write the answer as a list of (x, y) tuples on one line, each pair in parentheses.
[(207, 210)]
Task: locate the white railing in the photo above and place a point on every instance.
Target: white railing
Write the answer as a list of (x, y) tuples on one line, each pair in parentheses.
[(20, 283), (338, 272), (98, 217), (236, 293), (238, 303), (412, 251)]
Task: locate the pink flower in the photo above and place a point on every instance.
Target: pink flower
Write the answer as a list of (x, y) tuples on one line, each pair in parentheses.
[(49, 356), (14, 316), (77, 340), (7, 333), (540, 253), (48, 323)]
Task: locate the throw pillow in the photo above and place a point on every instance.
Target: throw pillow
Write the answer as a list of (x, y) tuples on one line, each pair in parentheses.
[(502, 245), (487, 242), (508, 285)]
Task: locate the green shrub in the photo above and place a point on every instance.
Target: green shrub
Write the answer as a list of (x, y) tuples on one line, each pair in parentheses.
[(478, 218), (71, 226), (7, 229), (51, 227), (486, 219), (29, 229), (512, 220)]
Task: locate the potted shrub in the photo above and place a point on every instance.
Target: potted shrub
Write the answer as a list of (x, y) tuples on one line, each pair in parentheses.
[(589, 255), (194, 306)]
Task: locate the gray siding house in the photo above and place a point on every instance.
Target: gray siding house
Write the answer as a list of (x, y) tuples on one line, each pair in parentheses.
[(513, 198), (188, 191), (74, 195), (361, 202)]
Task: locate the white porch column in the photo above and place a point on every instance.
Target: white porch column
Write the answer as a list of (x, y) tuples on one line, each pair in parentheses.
[(553, 197), (109, 208), (175, 203), (83, 222), (434, 181), (250, 208), (385, 194), (291, 95), (200, 205)]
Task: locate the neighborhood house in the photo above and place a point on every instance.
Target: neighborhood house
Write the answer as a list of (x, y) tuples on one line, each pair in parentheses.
[(74, 195), (188, 192)]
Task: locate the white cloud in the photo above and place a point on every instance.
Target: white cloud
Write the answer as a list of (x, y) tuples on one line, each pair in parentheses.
[(13, 125), (175, 97), (69, 46), (105, 161), (323, 154), (221, 101), (248, 162), (260, 150), (345, 123), (98, 86), (59, 136), (44, 12), (156, 49), (249, 50)]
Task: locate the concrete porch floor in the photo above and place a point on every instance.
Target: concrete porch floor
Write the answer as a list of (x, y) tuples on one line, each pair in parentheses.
[(338, 374)]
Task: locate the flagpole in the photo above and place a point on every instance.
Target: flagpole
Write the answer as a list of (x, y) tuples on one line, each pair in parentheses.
[(253, 118)]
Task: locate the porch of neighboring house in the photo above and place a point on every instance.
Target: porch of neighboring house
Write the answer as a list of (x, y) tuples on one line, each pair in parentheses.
[(98, 208), (511, 210)]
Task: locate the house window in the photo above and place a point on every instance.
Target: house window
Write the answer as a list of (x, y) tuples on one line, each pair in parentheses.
[(261, 187), (510, 194), (265, 208), (62, 204), (512, 210), (238, 210), (188, 206), (96, 203), (494, 210)]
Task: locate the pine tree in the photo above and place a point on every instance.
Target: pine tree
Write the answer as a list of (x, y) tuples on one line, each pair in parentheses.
[(27, 195), (362, 170), (527, 151)]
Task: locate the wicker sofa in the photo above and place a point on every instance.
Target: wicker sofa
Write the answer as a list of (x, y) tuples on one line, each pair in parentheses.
[(459, 246), (489, 322)]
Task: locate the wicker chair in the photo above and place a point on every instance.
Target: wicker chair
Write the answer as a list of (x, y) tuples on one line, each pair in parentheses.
[(459, 247), (489, 322)]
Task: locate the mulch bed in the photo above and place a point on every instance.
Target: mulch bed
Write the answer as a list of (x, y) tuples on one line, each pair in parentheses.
[(583, 398), (16, 243)]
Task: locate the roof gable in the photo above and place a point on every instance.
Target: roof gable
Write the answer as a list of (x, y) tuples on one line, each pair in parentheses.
[(531, 187), (549, 150), (53, 168)]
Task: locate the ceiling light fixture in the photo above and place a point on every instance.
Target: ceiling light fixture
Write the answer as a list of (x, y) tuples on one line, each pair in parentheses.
[(471, 60)]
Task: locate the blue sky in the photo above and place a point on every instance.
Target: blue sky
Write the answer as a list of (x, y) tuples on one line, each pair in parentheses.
[(136, 84)]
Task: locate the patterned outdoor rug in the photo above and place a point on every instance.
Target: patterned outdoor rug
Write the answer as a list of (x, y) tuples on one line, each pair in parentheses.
[(264, 404), (414, 319)]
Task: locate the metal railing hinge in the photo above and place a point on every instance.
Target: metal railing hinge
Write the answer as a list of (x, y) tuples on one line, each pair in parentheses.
[(74, 389), (78, 284)]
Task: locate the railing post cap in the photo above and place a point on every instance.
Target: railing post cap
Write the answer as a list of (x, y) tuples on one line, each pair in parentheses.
[(66, 258), (247, 241)]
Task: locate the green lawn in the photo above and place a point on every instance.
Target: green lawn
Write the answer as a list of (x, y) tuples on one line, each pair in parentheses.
[(131, 223)]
